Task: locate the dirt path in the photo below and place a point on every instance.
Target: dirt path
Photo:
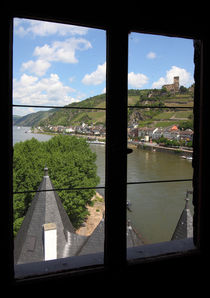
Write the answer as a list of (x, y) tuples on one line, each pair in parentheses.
[(96, 214)]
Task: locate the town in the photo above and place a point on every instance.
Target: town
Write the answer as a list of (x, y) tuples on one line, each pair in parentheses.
[(157, 128), (171, 136)]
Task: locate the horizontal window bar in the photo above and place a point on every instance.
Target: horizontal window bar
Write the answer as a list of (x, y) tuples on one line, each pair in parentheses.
[(155, 107), (59, 189), (56, 107), (102, 187), (159, 181), (103, 109)]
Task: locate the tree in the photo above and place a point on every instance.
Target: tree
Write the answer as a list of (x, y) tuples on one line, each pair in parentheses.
[(71, 164), (183, 89)]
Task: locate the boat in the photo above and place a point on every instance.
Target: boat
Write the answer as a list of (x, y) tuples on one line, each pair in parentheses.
[(128, 205), (189, 158), (96, 142)]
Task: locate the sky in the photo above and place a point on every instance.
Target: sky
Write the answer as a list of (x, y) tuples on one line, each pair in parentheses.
[(57, 64)]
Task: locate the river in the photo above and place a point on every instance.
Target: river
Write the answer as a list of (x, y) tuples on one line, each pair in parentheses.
[(155, 208)]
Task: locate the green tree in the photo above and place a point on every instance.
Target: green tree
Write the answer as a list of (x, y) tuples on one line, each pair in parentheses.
[(71, 164), (183, 89)]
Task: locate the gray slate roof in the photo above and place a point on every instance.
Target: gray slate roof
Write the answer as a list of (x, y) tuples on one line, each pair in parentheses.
[(184, 228), (46, 207), (95, 243)]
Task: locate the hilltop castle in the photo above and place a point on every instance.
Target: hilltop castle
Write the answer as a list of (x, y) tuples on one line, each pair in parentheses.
[(172, 87)]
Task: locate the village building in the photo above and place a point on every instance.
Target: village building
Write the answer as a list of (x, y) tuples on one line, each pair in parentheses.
[(69, 129), (171, 133), (186, 135), (146, 133), (157, 133)]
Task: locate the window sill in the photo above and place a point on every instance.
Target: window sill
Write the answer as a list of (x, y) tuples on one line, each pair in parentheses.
[(137, 254), (29, 270), (162, 249)]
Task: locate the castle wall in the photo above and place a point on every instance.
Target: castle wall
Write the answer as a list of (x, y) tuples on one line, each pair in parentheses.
[(173, 87)]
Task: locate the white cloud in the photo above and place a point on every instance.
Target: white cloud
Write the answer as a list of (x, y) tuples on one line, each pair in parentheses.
[(151, 55), (63, 51), (39, 28), (96, 77), (59, 51), (104, 90), (99, 75), (137, 80), (38, 67), (185, 78), (46, 91)]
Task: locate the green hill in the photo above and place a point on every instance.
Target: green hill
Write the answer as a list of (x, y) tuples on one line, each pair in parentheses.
[(182, 105), (32, 119)]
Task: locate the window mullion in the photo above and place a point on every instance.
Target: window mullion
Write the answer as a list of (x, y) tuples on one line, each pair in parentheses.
[(116, 144)]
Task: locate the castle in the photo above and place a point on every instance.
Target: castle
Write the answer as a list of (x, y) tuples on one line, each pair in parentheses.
[(172, 87)]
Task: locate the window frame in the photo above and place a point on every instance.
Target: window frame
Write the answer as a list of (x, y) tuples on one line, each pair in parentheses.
[(116, 156)]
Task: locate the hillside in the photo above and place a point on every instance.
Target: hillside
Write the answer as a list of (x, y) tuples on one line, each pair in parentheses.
[(32, 119), (74, 117), (182, 104), (179, 109)]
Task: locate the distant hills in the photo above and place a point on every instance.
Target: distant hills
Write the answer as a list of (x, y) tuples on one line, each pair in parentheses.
[(182, 104), (32, 119)]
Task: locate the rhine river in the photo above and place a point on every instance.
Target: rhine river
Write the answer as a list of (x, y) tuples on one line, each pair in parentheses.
[(155, 208)]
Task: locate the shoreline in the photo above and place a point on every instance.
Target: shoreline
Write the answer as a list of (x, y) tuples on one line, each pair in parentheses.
[(143, 146), (135, 145), (157, 148)]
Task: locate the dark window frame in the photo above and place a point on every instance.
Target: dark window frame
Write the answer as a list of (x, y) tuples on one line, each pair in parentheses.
[(116, 156)]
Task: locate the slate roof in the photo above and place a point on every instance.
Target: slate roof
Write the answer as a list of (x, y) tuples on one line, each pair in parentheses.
[(95, 243), (46, 207), (184, 228)]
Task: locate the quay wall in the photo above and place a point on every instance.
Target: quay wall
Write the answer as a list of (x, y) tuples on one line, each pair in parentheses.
[(144, 146)]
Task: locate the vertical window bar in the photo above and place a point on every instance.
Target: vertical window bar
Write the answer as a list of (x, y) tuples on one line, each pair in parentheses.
[(7, 205), (116, 145)]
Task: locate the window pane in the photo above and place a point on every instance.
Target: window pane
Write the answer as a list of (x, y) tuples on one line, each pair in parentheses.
[(60, 152), (160, 132), (155, 209), (57, 64), (162, 144)]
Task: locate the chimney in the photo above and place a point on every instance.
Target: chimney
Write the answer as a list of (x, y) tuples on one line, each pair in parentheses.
[(50, 241), (46, 172)]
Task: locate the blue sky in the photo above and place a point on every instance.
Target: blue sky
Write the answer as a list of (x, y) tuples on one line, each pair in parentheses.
[(57, 64)]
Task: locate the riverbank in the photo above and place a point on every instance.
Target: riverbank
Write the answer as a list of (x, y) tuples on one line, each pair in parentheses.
[(144, 146), (156, 148), (96, 213)]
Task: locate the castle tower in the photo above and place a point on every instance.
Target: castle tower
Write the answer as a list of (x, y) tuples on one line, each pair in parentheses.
[(176, 84)]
